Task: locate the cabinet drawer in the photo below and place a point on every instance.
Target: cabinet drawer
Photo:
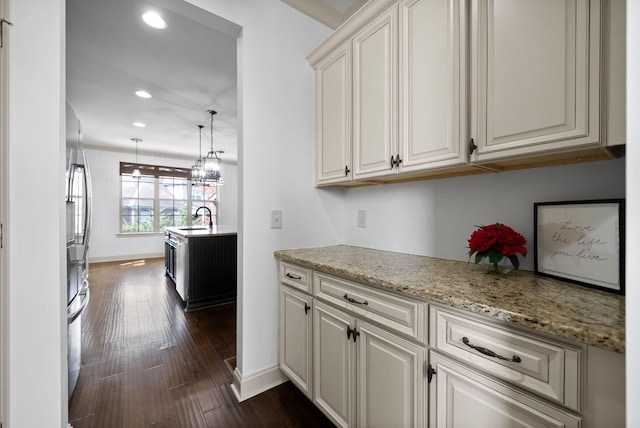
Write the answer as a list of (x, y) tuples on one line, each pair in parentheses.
[(295, 276), (402, 315), (540, 365)]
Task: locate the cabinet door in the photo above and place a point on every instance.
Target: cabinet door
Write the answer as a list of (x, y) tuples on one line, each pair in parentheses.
[(375, 97), (334, 362), (295, 337), (432, 84), (391, 384), (333, 117), (461, 397), (535, 76)]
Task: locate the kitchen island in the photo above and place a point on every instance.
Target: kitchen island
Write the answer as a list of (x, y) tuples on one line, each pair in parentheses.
[(202, 262)]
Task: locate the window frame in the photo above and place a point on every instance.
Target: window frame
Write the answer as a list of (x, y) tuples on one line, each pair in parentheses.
[(156, 172)]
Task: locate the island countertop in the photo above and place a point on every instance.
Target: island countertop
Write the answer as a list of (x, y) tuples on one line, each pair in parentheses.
[(563, 309), (201, 231)]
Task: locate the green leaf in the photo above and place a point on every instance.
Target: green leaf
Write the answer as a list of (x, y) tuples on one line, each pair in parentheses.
[(494, 256), (479, 257), (514, 261)]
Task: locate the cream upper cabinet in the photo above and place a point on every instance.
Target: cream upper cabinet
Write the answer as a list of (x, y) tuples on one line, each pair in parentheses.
[(535, 76), (410, 89), (374, 96), (432, 59), (333, 117)]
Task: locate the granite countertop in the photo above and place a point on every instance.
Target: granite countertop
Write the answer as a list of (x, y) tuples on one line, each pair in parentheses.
[(201, 231), (566, 310)]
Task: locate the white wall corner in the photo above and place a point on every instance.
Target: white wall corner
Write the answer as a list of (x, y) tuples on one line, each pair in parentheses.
[(245, 387)]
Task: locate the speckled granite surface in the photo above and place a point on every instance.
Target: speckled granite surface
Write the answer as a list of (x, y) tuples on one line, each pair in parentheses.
[(563, 309), (198, 231)]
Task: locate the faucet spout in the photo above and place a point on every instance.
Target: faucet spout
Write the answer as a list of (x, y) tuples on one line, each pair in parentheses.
[(210, 216)]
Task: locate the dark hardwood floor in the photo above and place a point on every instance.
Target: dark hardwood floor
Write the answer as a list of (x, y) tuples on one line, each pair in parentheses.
[(147, 363)]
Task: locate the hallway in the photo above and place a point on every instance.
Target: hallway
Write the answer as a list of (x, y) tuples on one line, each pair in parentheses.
[(147, 363)]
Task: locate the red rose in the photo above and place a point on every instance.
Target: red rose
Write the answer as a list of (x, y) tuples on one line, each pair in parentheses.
[(495, 241), (481, 240)]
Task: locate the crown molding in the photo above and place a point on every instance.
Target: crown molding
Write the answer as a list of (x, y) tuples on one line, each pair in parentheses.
[(324, 12)]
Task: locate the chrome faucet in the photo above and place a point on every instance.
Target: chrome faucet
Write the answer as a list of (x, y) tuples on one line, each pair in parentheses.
[(195, 216)]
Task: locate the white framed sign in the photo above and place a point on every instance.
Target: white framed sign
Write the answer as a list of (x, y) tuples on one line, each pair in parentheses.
[(581, 242)]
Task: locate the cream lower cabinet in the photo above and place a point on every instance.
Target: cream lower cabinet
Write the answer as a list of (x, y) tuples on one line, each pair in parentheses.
[(364, 375), (461, 397), (487, 374), (295, 326), (296, 337)]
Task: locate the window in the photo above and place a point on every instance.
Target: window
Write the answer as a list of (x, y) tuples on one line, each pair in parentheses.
[(163, 197), (173, 199), (138, 203)]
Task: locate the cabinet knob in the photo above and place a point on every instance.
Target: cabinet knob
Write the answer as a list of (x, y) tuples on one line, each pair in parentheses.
[(346, 170), (430, 372), (306, 308), (352, 333), (398, 160), (472, 146), (393, 162)]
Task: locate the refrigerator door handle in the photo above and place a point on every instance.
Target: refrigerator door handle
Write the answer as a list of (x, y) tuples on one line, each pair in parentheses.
[(86, 295)]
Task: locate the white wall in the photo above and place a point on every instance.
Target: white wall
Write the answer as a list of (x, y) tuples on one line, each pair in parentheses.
[(436, 217), (105, 243), (37, 285), (633, 214), (276, 105)]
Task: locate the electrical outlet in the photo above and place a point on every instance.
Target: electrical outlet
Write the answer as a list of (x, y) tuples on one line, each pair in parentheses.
[(362, 218), (276, 219)]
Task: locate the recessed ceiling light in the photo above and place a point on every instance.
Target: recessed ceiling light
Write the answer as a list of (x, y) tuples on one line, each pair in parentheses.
[(154, 20), (143, 94), (139, 124)]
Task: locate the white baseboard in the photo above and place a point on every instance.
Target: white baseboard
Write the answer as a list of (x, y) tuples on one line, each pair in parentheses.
[(125, 257), (245, 387)]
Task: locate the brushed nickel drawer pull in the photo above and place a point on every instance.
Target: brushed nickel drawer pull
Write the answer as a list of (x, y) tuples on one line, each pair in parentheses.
[(292, 276), (489, 352), (352, 300)]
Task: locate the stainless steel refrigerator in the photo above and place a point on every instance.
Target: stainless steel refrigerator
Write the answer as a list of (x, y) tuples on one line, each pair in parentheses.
[(78, 207)]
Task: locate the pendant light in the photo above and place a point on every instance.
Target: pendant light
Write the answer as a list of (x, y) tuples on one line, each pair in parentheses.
[(212, 160), (136, 171), (197, 170)]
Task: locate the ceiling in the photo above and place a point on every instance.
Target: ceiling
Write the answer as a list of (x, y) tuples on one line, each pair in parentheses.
[(189, 68)]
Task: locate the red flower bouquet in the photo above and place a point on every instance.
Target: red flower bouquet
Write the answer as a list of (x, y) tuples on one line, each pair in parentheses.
[(496, 241)]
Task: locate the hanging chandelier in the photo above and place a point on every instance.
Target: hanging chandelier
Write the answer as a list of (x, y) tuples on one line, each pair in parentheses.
[(136, 172), (212, 161), (197, 170)]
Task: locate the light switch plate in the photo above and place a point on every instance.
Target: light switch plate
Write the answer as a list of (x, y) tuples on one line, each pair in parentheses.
[(276, 219), (362, 218)]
